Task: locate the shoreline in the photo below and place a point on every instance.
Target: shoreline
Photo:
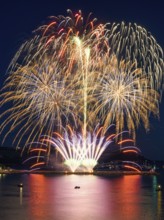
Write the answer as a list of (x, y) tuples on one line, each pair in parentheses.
[(98, 173)]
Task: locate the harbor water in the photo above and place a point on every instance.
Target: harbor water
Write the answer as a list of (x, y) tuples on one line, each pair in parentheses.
[(81, 197)]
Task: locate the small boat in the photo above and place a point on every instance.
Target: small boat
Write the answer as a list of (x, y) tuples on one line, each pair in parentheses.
[(77, 187), (20, 185)]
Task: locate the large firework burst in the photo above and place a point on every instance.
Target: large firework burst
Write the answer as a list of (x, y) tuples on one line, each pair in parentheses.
[(133, 43), (124, 96), (74, 71)]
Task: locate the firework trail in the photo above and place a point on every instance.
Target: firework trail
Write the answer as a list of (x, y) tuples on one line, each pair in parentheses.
[(49, 87), (124, 96), (78, 154), (41, 97), (134, 44), (78, 151), (34, 156), (77, 72)]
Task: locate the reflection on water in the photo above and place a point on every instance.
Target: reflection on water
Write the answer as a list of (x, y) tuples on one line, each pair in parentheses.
[(21, 195), (128, 197), (48, 197)]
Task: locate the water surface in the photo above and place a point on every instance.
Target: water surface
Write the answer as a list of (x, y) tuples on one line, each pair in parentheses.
[(48, 197)]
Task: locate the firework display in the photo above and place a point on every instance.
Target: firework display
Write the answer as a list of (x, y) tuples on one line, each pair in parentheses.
[(77, 150), (82, 73), (134, 44), (78, 154)]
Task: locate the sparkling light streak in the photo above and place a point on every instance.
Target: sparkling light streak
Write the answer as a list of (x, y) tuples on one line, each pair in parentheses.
[(75, 153), (132, 165), (75, 71), (132, 168), (37, 164)]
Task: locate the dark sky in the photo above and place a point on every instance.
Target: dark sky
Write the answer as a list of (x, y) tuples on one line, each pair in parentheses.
[(19, 18)]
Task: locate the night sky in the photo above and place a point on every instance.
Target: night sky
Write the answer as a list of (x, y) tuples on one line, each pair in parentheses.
[(19, 18)]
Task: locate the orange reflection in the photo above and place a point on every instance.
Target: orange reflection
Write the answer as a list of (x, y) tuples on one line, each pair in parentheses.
[(126, 197), (38, 195), (159, 205)]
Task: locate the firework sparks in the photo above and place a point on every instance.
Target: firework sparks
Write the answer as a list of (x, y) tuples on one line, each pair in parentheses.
[(134, 44), (132, 166), (78, 151), (41, 98), (34, 155), (78, 154), (124, 97), (75, 71)]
